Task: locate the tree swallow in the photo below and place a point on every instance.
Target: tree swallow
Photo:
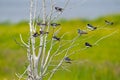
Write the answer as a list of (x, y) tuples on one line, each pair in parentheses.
[(108, 22), (35, 34), (56, 38), (42, 24), (59, 9), (81, 32), (67, 60), (55, 24), (88, 44), (89, 26)]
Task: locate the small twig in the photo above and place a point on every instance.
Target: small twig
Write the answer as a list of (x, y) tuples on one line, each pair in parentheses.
[(21, 76), (102, 27), (71, 45), (56, 32), (66, 69), (74, 52), (19, 43), (56, 68), (35, 8), (51, 11), (23, 41), (66, 49), (104, 37)]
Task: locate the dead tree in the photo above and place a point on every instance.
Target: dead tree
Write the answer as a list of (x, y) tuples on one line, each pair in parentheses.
[(40, 56)]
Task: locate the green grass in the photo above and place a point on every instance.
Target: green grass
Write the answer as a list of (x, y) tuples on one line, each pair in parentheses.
[(101, 62)]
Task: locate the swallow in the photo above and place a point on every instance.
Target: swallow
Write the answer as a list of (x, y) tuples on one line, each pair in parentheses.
[(42, 24), (56, 38), (108, 22), (67, 60), (88, 44), (55, 24), (35, 34), (59, 9), (89, 26), (81, 32)]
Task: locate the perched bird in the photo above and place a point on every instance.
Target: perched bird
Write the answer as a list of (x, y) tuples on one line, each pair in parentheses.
[(81, 32), (67, 60), (89, 26), (56, 38), (42, 24), (55, 24), (88, 44), (36, 34), (59, 9), (108, 22)]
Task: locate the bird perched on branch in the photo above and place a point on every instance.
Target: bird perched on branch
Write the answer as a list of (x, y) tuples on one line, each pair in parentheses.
[(88, 44), (35, 34), (59, 9), (67, 60), (108, 22), (89, 26), (56, 38), (55, 25), (42, 24), (81, 32)]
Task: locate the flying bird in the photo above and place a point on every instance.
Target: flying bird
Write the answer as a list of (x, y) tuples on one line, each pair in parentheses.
[(56, 38), (67, 60), (59, 9), (81, 32), (88, 44), (36, 34), (89, 26), (55, 24), (108, 22)]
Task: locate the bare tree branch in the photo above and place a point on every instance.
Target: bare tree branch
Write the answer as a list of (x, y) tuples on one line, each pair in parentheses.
[(105, 37), (23, 41)]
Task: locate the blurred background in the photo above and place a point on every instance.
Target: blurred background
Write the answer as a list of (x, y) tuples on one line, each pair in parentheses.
[(100, 62)]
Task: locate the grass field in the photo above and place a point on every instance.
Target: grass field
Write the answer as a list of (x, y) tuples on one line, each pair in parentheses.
[(101, 62)]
